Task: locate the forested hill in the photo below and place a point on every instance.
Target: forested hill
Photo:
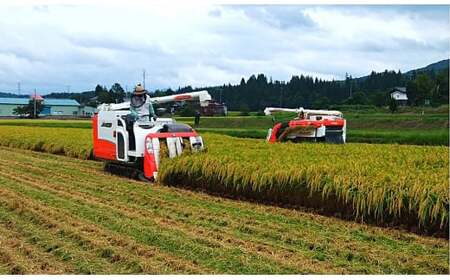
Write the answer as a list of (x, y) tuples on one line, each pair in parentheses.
[(437, 66), (6, 94), (428, 83)]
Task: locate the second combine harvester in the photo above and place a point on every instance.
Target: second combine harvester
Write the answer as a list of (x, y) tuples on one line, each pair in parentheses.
[(309, 125)]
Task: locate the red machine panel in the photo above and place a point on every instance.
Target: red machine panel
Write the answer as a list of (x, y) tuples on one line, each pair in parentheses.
[(102, 149)]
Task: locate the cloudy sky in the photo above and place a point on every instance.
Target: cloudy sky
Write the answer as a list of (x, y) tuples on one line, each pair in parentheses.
[(51, 47)]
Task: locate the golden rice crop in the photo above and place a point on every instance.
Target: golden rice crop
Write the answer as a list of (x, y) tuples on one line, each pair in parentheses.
[(385, 183), (73, 142)]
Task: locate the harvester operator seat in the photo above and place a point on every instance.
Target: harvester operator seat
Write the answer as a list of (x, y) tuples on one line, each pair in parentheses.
[(129, 121)]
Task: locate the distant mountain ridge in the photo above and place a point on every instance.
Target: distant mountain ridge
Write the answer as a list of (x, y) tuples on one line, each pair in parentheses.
[(13, 95), (437, 66), (433, 67)]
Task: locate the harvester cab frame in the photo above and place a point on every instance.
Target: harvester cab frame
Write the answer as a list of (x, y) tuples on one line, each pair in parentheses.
[(309, 125), (135, 148)]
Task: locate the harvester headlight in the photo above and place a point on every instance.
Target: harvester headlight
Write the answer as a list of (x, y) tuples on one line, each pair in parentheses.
[(196, 143), (149, 145)]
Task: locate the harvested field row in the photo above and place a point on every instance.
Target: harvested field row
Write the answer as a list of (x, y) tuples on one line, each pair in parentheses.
[(67, 215), (384, 184)]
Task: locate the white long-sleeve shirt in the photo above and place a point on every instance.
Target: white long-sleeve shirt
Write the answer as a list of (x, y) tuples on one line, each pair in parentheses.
[(142, 108)]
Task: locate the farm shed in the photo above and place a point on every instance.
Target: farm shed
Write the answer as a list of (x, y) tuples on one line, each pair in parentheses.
[(61, 107), (7, 105), (58, 107)]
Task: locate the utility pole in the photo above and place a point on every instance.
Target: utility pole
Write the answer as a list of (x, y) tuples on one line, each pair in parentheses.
[(68, 89), (143, 77), (34, 107), (350, 80), (18, 88)]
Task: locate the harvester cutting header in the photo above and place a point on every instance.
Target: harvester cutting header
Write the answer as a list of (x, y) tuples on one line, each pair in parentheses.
[(129, 135), (309, 125)]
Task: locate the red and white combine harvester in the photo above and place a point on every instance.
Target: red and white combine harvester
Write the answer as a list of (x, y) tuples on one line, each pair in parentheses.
[(309, 125), (134, 148)]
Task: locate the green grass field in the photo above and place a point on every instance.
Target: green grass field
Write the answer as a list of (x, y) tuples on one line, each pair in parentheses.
[(435, 137), (405, 128), (402, 128), (64, 215)]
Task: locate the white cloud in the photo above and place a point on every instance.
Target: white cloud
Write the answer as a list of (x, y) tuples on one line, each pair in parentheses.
[(52, 46)]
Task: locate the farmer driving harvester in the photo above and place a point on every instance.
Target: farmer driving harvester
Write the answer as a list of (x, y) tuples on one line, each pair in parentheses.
[(129, 135), (141, 107), (301, 115)]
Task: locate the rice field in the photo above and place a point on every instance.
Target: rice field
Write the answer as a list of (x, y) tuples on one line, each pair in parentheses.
[(73, 142), (64, 215), (383, 184), (389, 184)]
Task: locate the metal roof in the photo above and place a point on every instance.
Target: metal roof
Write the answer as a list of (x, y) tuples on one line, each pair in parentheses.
[(14, 101), (50, 102), (61, 102), (402, 89)]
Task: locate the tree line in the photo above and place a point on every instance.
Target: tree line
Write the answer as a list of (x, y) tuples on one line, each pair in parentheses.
[(259, 91), (101, 94)]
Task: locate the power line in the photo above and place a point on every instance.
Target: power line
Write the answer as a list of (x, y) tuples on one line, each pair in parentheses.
[(143, 76)]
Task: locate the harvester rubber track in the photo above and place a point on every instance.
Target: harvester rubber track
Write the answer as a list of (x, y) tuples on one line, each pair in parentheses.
[(124, 171)]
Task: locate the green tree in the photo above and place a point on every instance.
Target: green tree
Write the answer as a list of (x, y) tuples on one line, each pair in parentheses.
[(393, 106), (420, 89), (188, 110), (441, 90), (378, 98), (103, 96), (29, 109), (321, 102), (99, 89), (117, 93), (358, 98)]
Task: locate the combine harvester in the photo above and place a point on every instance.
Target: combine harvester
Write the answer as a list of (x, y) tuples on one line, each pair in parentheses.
[(132, 148), (309, 125)]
